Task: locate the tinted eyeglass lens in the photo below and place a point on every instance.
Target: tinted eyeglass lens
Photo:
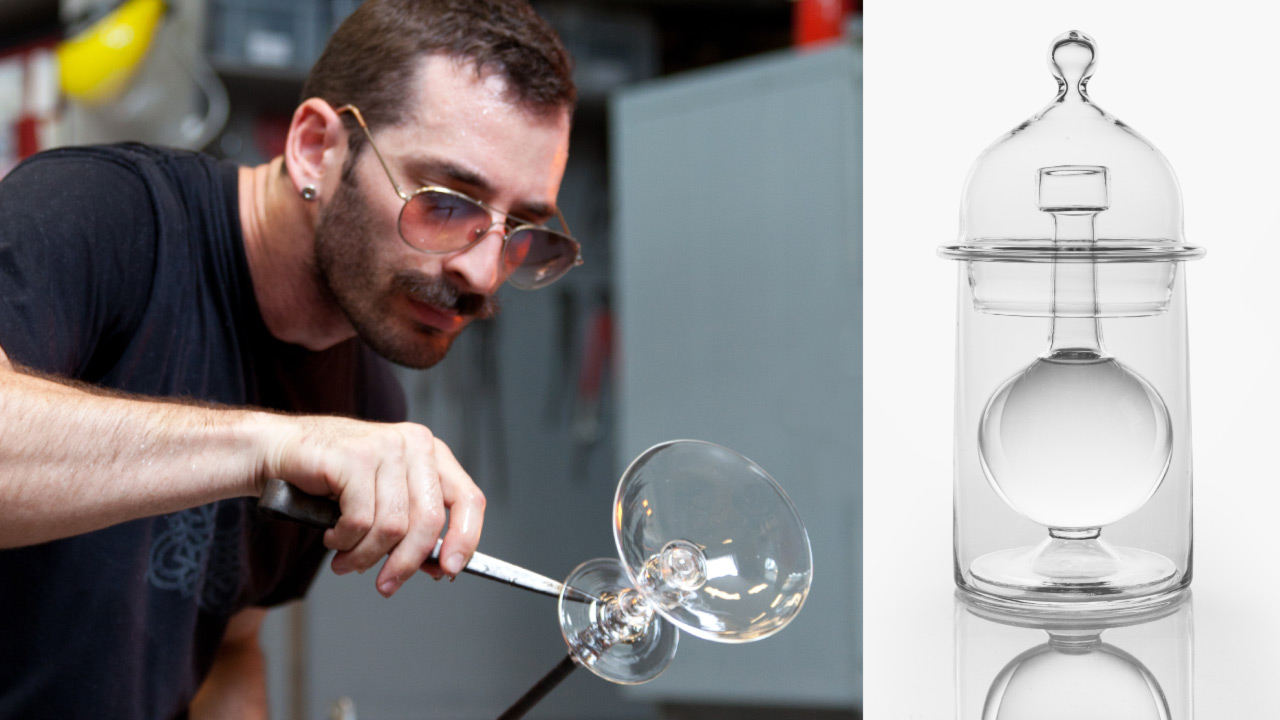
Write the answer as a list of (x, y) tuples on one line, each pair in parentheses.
[(434, 220), (536, 258)]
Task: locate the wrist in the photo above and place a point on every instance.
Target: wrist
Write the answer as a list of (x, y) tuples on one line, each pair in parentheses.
[(254, 432)]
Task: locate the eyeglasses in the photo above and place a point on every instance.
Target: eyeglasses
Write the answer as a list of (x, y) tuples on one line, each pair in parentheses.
[(438, 219)]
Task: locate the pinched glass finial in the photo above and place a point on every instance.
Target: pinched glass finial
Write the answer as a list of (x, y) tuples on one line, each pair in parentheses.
[(1072, 56)]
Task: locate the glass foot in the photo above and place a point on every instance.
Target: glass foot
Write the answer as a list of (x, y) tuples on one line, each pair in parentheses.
[(1072, 569), (618, 637)]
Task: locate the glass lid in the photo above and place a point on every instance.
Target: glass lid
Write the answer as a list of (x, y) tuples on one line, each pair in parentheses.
[(1072, 158)]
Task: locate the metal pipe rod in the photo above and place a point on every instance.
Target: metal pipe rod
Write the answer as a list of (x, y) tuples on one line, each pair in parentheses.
[(540, 689)]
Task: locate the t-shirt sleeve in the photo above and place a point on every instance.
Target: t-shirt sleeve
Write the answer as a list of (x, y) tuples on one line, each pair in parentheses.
[(77, 231)]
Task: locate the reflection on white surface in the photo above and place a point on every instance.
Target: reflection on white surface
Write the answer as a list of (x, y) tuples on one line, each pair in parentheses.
[(1052, 682), (1024, 665)]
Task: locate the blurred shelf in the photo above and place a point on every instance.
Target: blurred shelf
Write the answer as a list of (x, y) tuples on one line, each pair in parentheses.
[(262, 87)]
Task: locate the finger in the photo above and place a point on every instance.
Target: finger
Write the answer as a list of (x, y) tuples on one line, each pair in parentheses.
[(357, 505), (466, 512), (426, 517), (390, 521)]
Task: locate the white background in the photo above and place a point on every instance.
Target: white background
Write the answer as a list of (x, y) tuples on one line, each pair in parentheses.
[(943, 80)]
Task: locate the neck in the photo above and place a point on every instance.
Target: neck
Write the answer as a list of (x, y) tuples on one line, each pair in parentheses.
[(1075, 330), (279, 242)]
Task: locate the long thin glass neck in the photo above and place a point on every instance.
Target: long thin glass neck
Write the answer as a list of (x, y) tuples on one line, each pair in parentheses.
[(1075, 331)]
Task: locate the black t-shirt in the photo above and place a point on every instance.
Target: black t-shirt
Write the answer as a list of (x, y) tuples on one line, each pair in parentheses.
[(124, 266)]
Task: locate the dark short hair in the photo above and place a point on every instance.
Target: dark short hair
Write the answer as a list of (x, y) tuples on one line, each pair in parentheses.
[(372, 59)]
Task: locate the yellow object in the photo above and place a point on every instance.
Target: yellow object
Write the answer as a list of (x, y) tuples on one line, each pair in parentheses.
[(97, 64)]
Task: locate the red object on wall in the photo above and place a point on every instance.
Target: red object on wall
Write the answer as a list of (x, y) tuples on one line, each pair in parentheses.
[(29, 108), (27, 131), (816, 21)]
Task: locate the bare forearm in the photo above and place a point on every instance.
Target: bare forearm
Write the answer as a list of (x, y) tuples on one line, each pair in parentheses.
[(75, 460)]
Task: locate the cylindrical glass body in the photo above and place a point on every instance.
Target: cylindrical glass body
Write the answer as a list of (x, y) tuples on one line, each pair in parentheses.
[(1077, 455)]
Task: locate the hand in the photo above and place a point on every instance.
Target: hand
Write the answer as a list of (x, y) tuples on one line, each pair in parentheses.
[(393, 484)]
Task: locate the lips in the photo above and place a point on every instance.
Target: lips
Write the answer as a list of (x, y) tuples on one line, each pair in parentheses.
[(437, 317)]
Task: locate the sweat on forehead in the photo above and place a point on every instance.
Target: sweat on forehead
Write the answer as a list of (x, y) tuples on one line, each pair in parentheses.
[(470, 74)]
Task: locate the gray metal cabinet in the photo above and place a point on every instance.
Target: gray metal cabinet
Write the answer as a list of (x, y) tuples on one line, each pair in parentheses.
[(737, 250)]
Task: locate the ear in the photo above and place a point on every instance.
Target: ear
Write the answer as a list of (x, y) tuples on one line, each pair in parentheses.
[(316, 146)]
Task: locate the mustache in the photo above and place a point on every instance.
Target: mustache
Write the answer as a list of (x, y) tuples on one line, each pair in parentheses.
[(441, 293)]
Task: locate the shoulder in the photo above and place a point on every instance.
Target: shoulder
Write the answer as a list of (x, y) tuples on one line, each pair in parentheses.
[(68, 175), (109, 186), (105, 172), (74, 203), (83, 232), (128, 194)]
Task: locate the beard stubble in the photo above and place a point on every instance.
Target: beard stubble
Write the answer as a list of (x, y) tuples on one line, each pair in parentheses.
[(347, 261)]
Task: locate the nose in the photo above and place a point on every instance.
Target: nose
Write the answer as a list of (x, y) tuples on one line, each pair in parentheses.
[(479, 269)]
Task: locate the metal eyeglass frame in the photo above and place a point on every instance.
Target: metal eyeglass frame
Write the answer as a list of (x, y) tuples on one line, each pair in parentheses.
[(507, 232)]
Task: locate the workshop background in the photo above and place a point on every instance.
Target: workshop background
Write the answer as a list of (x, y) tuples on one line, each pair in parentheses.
[(715, 181)]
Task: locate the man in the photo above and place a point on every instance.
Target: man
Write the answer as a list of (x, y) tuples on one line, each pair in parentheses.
[(148, 298)]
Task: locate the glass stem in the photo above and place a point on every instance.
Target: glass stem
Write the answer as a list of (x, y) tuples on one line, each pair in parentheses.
[(1075, 642), (1075, 331), (624, 618)]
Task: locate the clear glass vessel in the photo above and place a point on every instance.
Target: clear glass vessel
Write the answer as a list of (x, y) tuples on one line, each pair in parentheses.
[(709, 544), (1072, 447)]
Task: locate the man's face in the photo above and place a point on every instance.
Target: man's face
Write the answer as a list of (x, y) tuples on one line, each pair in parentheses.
[(406, 304)]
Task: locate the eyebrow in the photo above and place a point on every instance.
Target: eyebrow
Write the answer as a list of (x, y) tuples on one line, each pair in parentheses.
[(421, 168)]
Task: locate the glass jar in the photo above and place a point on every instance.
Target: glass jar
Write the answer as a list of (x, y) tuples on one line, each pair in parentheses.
[(1072, 445)]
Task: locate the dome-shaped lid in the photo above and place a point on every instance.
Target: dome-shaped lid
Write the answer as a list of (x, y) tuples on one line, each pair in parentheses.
[(1008, 204)]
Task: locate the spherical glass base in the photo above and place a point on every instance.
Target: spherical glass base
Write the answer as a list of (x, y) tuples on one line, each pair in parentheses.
[(1063, 569)]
